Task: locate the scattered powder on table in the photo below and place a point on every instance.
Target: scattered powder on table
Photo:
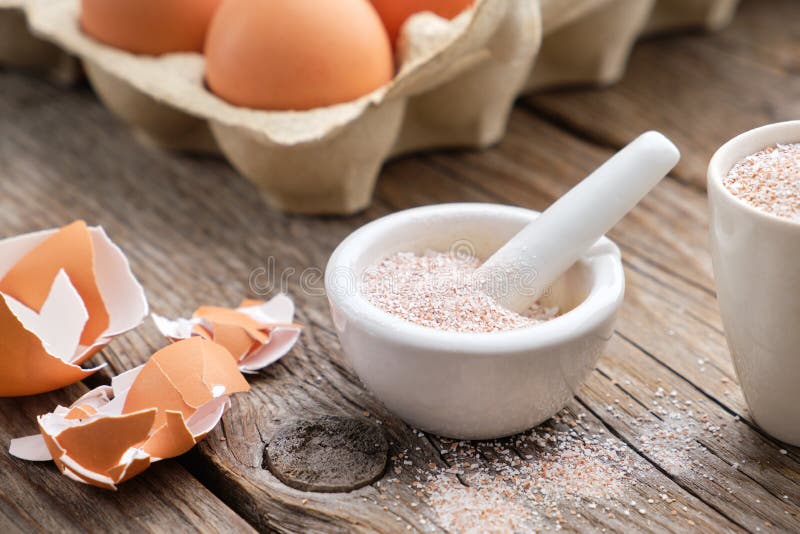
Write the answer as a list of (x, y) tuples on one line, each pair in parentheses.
[(571, 473), (440, 291), (769, 180), (566, 468), (532, 482)]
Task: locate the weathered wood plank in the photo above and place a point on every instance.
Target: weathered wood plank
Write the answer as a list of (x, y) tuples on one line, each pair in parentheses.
[(196, 233), (675, 365), (699, 89), (763, 32), (205, 261), (186, 257), (650, 502), (704, 448)]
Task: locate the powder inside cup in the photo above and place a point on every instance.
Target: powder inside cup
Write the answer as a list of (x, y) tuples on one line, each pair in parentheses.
[(769, 180), (440, 291)]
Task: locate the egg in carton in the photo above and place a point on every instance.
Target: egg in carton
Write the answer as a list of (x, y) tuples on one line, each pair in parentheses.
[(455, 87), (671, 15), (19, 48), (587, 41)]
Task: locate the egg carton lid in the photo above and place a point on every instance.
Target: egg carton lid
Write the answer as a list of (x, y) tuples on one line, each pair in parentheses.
[(433, 51)]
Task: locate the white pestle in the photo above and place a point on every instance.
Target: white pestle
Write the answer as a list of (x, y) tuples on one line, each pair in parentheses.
[(518, 274)]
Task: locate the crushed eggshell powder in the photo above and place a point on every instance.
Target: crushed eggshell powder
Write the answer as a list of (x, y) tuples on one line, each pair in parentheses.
[(769, 180), (527, 482), (439, 290), (571, 471)]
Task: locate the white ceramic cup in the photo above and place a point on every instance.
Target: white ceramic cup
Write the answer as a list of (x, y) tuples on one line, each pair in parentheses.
[(467, 385), (757, 269)]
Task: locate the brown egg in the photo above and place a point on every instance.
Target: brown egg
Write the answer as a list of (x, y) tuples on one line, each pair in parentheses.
[(296, 54), (149, 26), (394, 13)]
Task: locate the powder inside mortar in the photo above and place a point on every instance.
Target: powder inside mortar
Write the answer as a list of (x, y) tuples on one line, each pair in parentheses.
[(769, 180), (440, 291)]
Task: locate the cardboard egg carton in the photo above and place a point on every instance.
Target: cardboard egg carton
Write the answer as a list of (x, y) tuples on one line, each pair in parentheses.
[(455, 88), (19, 48), (671, 15), (589, 41)]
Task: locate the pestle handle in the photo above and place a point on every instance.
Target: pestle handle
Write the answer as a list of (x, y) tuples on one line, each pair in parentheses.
[(518, 274)]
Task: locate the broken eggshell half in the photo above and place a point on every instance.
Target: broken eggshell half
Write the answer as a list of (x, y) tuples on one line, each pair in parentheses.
[(455, 86), (257, 334), (64, 294), (158, 410)]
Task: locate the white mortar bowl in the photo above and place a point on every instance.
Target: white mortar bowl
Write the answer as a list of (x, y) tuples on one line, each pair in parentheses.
[(465, 385)]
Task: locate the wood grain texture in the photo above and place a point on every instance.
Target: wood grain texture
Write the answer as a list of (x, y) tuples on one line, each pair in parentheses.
[(197, 233)]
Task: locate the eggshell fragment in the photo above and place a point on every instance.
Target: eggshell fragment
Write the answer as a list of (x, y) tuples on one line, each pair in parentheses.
[(79, 452), (155, 411), (71, 250), (150, 27), (298, 55), (256, 333), (64, 294)]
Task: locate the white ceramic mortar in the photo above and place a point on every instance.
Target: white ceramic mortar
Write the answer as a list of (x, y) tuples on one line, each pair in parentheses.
[(465, 385)]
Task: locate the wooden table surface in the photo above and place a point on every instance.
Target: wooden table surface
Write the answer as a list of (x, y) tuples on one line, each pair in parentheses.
[(664, 396)]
